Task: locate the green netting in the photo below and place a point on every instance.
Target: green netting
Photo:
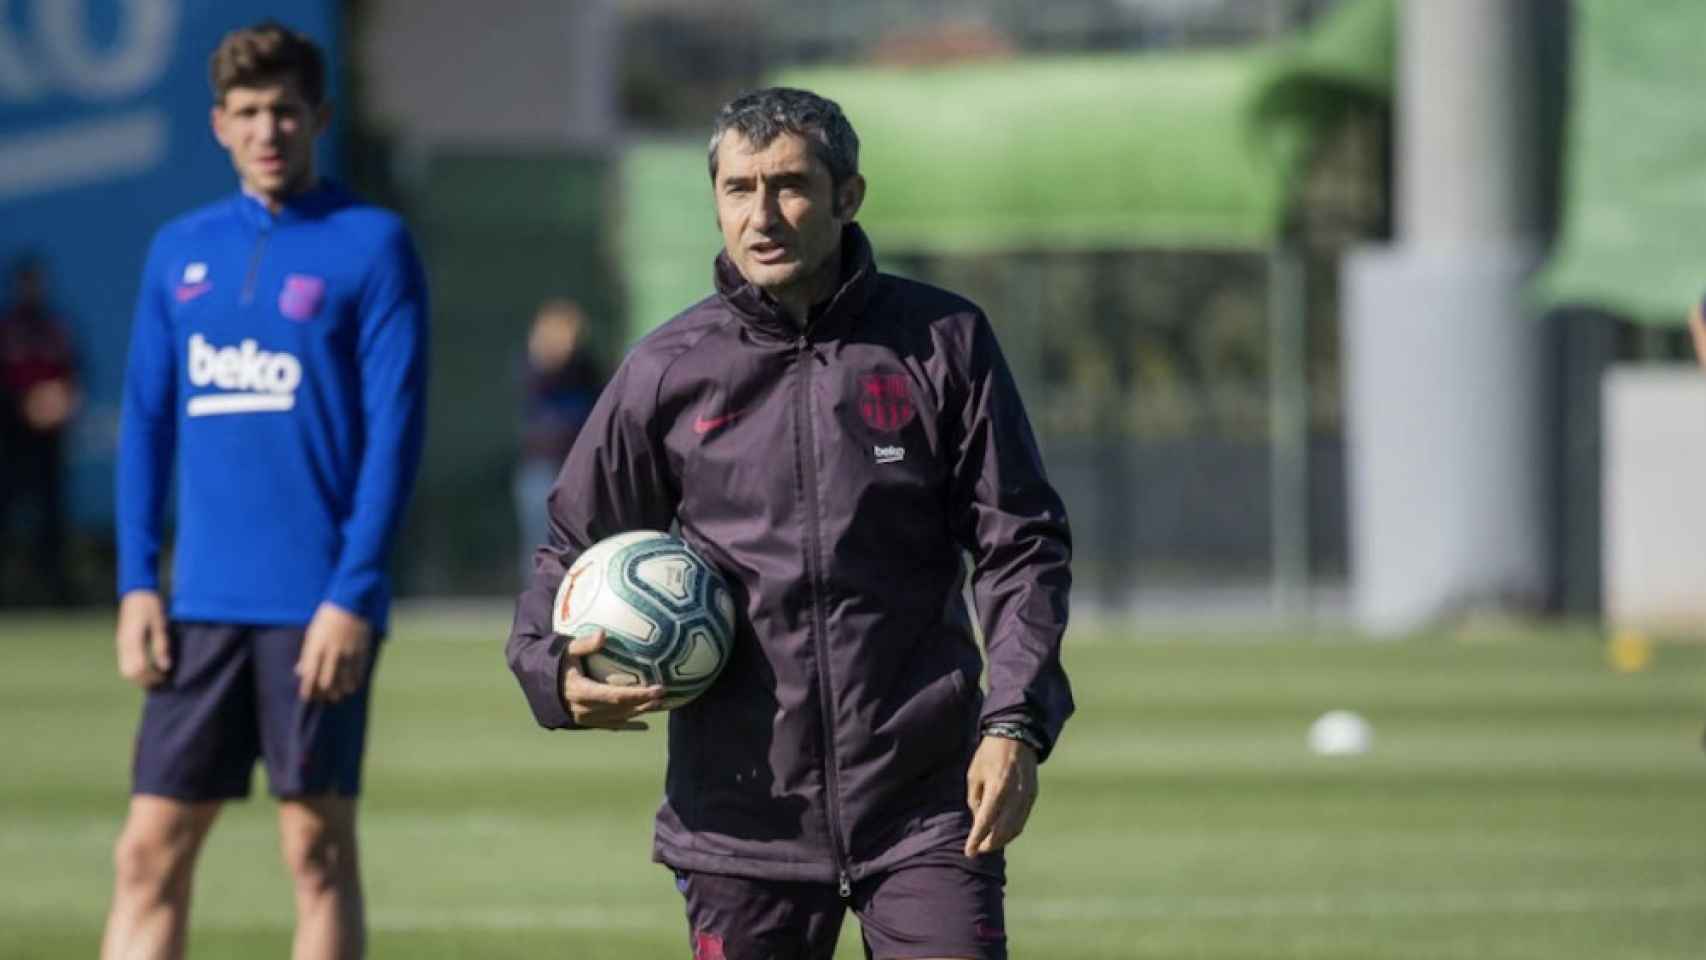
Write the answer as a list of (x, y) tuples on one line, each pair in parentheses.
[(1086, 153), (1343, 63), (1635, 162), (668, 230), (1104, 152)]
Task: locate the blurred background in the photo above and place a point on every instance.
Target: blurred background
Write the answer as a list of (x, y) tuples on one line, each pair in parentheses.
[(1310, 299), (1338, 320)]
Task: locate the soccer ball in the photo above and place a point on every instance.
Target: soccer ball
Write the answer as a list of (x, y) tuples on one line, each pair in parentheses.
[(1340, 733), (668, 616)]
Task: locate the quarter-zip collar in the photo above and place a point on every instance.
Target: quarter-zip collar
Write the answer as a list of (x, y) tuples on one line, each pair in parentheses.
[(311, 204), (762, 312)]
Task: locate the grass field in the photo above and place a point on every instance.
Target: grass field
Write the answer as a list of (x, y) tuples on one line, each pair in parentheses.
[(1522, 801)]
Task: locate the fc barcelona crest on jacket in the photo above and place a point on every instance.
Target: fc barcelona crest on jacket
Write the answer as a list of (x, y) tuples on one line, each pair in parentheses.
[(301, 296), (885, 401)]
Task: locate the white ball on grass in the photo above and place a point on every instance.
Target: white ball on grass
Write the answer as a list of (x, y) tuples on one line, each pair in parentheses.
[(1340, 733)]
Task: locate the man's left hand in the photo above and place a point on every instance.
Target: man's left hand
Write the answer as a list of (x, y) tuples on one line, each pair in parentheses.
[(334, 654), (1001, 787)]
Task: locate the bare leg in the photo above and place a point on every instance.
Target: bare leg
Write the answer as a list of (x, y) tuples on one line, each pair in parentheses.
[(317, 835), (154, 864)]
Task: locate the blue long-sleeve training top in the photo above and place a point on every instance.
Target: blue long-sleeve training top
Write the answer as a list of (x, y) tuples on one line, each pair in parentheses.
[(279, 360)]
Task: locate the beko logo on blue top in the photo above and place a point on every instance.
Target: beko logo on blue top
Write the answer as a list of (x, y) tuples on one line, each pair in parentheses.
[(251, 380)]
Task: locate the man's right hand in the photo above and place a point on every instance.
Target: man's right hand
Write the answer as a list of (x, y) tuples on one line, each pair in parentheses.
[(144, 651), (602, 705)]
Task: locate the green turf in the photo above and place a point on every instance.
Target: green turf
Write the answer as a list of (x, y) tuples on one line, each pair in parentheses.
[(1521, 801)]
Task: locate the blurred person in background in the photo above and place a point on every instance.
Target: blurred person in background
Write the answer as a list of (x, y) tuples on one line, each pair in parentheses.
[(277, 362), (560, 382), (38, 398), (834, 439)]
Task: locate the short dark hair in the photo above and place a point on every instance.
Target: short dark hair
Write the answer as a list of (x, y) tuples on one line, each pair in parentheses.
[(264, 54), (764, 115)]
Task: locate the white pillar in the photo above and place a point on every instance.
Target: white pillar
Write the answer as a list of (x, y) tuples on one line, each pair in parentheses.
[(1442, 356), (1468, 131)]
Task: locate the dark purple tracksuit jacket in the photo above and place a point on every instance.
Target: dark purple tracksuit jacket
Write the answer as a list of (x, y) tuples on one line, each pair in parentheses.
[(834, 475)]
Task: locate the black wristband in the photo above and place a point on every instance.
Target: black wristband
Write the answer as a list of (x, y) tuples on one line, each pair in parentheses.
[(1014, 730)]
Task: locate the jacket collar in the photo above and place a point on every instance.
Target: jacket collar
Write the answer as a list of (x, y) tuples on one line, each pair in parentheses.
[(324, 197), (760, 310)]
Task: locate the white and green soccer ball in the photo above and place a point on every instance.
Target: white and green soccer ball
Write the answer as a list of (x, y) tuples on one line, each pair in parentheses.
[(668, 616)]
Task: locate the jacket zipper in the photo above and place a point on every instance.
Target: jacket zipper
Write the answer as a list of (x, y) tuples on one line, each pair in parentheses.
[(254, 267), (806, 453)]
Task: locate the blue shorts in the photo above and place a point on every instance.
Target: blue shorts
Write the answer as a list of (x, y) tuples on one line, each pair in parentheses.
[(943, 906), (230, 699)]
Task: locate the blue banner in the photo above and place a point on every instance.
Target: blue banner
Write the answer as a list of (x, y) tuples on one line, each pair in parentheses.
[(104, 136)]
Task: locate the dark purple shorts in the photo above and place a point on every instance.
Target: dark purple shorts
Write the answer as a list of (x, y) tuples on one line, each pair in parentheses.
[(229, 700), (943, 907)]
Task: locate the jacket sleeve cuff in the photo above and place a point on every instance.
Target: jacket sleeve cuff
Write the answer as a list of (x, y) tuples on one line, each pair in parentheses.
[(1017, 723), (540, 666), (138, 567), (1011, 730), (362, 595), (137, 581)]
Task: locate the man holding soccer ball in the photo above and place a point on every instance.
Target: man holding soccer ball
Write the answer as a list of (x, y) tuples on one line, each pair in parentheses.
[(833, 439)]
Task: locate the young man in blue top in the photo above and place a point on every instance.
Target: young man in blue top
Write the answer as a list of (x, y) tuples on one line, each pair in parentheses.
[(278, 359)]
